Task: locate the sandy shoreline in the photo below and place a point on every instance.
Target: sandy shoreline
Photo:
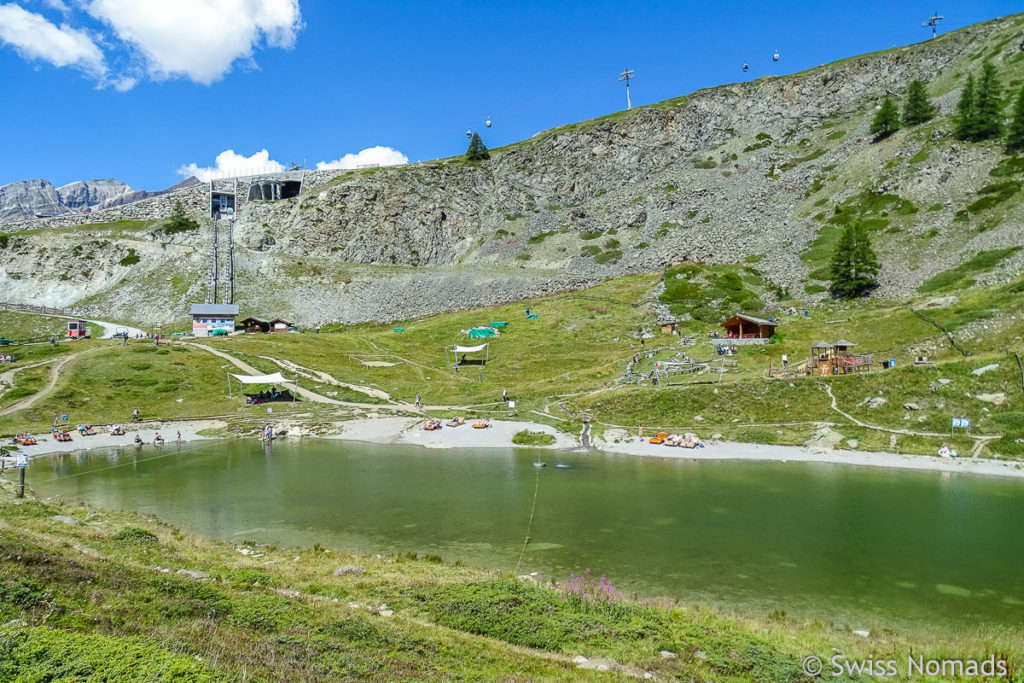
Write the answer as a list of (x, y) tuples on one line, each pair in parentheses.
[(727, 450), (409, 431), (147, 430)]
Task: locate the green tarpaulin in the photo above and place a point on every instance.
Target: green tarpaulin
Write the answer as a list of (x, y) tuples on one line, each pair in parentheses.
[(499, 324), (478, 332)]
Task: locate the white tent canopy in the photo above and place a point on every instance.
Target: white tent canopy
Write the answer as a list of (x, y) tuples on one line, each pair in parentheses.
[(452, 352), (276, 378), (469, 349)]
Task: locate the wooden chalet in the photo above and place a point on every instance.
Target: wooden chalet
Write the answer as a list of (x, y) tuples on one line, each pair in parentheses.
[(253, 325), (748, 327)]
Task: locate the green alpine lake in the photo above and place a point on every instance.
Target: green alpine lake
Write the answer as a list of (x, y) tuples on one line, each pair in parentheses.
[(856, 546)]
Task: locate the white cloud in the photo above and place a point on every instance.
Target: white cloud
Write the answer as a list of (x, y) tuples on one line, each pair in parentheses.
[(382, 156), (57, 5), (199, 39), (229, 164), (36, 38)]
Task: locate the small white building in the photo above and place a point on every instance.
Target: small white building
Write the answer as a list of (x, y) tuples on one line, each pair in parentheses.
[(209, 317)]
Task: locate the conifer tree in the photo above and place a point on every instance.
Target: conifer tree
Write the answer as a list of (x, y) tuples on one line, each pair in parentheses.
[(854, 264), (988, 104), (887, 120), (178, 221), (1015, 133), (966, 116), (917, 108), (477, 150)]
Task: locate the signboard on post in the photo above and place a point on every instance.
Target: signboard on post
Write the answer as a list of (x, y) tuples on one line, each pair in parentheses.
[(960, 423), (20, 460)]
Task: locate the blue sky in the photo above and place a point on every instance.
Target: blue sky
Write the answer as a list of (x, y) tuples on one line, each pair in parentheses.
[(140, 89)]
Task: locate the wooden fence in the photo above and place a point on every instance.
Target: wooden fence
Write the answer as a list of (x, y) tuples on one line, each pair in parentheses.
[(28, 308)]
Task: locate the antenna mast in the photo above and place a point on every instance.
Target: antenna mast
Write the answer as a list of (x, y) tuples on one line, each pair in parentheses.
[(627, 76)]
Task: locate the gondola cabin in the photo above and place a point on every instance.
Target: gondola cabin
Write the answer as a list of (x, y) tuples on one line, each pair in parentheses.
[(78, 329)]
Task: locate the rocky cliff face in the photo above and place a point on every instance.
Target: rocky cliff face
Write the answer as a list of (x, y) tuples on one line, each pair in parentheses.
[(754, 172), (89, 194), (23, 199)]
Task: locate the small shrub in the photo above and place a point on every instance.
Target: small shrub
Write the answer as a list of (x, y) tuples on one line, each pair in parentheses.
[(608, 257), (593, 235), (528, 438), (134, 536), (131, 259)]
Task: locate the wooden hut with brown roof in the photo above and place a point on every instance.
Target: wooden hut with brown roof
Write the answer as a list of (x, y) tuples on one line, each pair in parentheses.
[(742, 326)]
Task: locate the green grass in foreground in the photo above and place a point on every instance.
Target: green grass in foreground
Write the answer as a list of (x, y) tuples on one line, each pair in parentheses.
[(89, 602)]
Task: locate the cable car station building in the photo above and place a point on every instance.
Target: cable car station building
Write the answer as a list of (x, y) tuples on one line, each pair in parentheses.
[(209, 317)]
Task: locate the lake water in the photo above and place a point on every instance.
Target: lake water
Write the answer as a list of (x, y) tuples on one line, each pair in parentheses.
[(853, 546)]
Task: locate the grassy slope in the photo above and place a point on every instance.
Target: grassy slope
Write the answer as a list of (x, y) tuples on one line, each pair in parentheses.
[(91, 601), (107, 380), (580, 344)]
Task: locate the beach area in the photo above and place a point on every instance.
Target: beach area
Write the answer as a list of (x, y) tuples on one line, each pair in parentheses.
[(147, 431), (409, 431)]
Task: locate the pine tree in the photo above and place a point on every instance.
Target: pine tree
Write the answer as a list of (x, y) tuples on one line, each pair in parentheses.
[(477, 150), (887, 120), (917, 108), (178, 221), (1015, 133), (989, 104), (854, 264), (966, 114)]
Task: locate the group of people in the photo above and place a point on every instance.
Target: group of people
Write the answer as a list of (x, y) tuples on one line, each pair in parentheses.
[(263, 396), (85, 430), (158, 439), (726, 350), (6, 358), (267, 435)]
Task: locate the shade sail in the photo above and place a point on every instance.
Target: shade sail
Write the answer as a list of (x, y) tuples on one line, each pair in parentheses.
[(276, 378), (469, 349)]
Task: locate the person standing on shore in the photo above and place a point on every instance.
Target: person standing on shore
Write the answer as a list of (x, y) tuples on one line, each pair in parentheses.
[(504, 395), (640, 433), (135, 414), (417, 400)]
